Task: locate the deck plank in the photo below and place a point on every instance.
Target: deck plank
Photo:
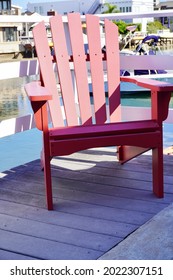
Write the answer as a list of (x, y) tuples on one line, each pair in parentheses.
[(97, 202), (9, 255), (67, 235), (43, 248)]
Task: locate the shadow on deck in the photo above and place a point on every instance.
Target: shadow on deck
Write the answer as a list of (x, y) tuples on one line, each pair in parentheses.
[(97, 204)]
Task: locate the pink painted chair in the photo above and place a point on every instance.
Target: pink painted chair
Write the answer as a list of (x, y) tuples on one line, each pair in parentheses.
[(82, 125)]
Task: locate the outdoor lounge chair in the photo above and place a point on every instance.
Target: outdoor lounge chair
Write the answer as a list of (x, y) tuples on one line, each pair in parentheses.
[(76, 124)]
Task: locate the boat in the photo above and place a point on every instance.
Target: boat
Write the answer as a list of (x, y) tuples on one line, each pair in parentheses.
[(148, 46)]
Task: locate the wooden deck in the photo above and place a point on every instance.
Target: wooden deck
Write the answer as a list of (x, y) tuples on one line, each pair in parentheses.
[(97, 204)]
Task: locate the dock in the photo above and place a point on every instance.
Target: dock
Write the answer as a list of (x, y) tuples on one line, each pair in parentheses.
[(98, 203)]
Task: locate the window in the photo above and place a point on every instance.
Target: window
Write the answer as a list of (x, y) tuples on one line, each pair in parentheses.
[(5, 5), (9, 34), (40, 10), (36, 9)]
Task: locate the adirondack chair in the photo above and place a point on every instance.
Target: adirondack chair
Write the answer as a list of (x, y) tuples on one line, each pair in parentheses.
[(76, 124)]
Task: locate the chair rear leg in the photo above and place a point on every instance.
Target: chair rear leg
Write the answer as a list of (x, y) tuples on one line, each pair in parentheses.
[(158, 175), (42, 163), (126, 153)]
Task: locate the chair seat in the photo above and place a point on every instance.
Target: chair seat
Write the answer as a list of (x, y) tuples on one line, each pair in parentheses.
[(69, 140), (103, 130)]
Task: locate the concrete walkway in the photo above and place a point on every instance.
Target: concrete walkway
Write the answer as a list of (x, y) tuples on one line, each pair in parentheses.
[(152, 241)]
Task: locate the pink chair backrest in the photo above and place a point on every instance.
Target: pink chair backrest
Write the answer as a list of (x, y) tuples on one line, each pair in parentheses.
[(73, 75)]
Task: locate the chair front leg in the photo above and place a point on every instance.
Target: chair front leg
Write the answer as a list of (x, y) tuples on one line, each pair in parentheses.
[(47, 170)]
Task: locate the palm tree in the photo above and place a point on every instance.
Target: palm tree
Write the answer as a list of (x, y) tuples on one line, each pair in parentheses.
[(110, 9)]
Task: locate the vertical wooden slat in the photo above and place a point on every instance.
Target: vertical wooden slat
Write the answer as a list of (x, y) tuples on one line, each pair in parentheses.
[(97, 75), (80, 67), (113, 70), (45, 61), (62, 58)]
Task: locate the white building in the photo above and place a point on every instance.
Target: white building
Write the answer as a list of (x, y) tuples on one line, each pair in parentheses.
[(134, 6), (90, 6), (9, 32), (64, 6), (95, 6), (156, 2)]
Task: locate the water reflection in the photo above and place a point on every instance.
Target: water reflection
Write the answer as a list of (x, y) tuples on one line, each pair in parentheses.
[(15, 103), (13, 99)]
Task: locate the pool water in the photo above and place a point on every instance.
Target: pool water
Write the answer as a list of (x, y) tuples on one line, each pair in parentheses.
[(20, 148)]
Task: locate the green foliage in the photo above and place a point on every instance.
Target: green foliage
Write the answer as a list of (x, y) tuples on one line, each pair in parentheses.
[(153, 27), (139, 26), (110, 9), (122, 25)]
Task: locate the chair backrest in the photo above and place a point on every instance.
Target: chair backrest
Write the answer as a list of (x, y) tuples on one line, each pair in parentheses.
[(72, 67)]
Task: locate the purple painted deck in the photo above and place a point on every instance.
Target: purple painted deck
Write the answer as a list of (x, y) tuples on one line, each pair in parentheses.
[(97, 204)]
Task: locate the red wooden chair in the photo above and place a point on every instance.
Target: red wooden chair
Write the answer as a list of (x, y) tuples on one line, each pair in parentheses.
[(87, 126)]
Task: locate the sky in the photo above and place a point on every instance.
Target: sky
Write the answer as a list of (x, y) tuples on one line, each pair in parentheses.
[(23, 3)]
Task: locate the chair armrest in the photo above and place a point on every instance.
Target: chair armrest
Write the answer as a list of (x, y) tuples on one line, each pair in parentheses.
[(36, 92), (149, 83), (39, 96), (159, 101)]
